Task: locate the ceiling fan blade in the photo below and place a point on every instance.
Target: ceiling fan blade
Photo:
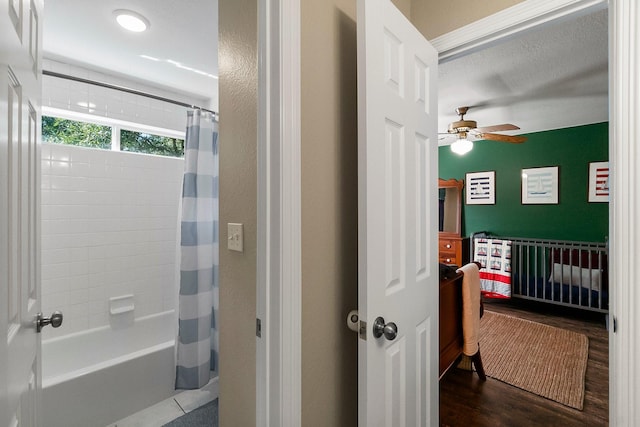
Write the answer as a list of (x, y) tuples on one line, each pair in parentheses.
[(497, 128), (443, 140), (515, 139)]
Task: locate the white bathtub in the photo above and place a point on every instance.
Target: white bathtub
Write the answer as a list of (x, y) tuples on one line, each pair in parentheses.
[(96, 377)]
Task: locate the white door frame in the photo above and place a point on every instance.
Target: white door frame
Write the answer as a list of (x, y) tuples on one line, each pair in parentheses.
[(624, 249), (279, 233), (509, 23), (278, 304)]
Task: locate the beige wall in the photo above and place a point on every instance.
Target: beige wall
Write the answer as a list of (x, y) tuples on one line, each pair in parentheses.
[(403, 6), (238, 108), (329, 212), (435, 18)]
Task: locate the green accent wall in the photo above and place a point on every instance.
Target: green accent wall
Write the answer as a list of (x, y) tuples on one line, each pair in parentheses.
[(573, 218)]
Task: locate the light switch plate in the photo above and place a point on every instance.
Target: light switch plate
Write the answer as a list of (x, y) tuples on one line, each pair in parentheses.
[(235, 237)]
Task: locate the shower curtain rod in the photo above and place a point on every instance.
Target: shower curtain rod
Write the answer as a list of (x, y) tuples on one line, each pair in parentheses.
[(125, 89)]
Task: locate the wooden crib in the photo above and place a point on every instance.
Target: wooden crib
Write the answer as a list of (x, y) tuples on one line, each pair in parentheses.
[(562, 272)]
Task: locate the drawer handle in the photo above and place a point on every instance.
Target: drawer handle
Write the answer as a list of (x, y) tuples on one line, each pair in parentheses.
[(448, 245), (448, 259)]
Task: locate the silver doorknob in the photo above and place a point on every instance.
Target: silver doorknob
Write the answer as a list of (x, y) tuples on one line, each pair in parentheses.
[(389, 330), (55, 320)]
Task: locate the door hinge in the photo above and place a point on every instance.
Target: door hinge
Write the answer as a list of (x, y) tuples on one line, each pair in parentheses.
[(259, 328)]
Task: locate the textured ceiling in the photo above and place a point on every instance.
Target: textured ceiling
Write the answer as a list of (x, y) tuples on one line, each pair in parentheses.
[(183, 32), (548, 78)]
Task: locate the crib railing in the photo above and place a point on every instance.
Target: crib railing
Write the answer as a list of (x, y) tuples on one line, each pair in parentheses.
[(562, 272)]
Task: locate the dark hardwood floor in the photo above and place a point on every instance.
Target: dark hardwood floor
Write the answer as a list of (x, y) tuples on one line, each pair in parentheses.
[(467, 401)]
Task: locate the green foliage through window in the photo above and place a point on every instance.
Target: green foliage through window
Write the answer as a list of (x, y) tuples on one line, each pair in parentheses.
[(62, 131), (71, 132), (140, 142)]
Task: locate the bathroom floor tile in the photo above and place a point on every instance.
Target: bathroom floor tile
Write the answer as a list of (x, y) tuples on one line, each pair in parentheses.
[(171, 408), (156, 415), (192, 399)]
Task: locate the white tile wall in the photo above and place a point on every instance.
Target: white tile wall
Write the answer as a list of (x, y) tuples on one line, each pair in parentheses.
[(109, 228), (65, 94)]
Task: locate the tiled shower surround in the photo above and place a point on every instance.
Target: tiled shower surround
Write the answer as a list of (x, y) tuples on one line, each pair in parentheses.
[(109, 228), (109, 218)]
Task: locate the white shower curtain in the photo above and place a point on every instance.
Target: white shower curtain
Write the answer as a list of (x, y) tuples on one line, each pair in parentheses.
[(197, 352)]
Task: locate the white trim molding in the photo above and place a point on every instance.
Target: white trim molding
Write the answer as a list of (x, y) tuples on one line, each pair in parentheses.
[(624, 211), (508, 22), (279, 382)]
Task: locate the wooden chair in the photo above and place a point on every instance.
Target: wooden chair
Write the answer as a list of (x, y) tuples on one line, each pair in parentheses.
[(476, 359), (451, 323)]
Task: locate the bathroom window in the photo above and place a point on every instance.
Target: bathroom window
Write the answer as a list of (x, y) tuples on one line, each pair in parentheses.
[(141, 142), (73, 128), (71, 132)]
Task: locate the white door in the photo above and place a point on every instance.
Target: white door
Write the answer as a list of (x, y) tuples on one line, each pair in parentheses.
[(397, 246), (20, 89)]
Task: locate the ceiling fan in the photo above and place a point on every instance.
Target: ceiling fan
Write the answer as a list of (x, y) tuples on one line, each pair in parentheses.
[(462, 128)]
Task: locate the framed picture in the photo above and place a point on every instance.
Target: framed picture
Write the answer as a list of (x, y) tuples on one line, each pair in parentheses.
[(540, 186), (481, 188), (598, 182)]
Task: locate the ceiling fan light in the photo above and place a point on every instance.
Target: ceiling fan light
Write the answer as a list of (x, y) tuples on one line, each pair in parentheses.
[(461, 146)]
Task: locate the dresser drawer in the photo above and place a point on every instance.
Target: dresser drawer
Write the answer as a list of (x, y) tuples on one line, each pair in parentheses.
[(448, 246), (453, 250), (448, 259)]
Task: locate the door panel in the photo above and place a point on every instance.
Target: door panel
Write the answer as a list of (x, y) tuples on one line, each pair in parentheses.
[(20, 89), (395, 384), (394, 206), (397, 173)]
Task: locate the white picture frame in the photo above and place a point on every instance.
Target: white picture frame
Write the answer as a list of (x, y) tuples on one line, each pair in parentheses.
[(480, 188), (598, 182), (540, 186)]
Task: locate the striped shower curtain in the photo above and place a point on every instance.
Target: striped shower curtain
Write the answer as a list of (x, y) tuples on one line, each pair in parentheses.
[(197, 352)]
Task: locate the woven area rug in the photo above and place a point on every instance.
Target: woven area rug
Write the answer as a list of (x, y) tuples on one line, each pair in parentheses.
[(548, 361)]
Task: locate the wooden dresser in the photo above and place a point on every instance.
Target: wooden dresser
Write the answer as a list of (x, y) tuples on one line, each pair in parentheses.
[(453, 250)]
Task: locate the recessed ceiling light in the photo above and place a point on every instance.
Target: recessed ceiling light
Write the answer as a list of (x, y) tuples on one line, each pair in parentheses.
[(131, 21)]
